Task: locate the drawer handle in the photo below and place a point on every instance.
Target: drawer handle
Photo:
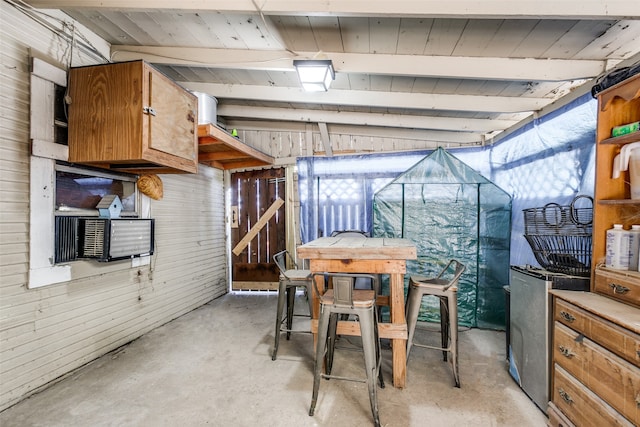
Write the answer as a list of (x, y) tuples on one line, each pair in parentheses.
[(566, 352), (565, 396), (638, 400), (619, 289), (567, 316)]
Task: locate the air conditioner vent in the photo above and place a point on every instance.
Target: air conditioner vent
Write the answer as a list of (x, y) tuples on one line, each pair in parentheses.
[(130, 237), (93, 238), (112, 239), (66, 239)]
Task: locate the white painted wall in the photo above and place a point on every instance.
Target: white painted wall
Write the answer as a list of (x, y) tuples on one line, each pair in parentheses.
[(49, 331)]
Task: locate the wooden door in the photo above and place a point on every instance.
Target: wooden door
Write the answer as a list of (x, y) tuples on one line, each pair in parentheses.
[(257, 228)]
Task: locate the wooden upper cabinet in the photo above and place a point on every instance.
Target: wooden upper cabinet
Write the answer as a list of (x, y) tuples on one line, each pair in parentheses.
[(130, 117)]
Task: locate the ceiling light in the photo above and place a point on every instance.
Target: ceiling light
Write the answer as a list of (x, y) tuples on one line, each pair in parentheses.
[(315, 74)]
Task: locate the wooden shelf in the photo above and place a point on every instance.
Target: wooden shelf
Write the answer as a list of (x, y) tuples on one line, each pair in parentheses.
[(622, 139), (219, 149), (620, 202)]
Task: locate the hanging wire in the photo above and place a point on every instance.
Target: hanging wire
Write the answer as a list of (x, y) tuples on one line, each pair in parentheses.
[(67, 98), (266, 25), (41, 18)]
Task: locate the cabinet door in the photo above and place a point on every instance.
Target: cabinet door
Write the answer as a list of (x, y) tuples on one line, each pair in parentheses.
[(172, 118), (105, 114)]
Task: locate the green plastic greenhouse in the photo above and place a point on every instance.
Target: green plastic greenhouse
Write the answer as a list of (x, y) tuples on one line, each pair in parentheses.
[(450, 211)]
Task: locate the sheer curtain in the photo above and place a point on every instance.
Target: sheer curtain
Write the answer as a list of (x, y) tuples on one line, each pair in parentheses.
[(336, 193)]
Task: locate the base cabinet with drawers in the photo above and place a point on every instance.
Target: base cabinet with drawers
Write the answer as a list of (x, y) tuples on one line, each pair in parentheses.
[(596, 361)]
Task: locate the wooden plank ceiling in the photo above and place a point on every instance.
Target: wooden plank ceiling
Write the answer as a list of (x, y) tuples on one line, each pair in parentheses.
[(462, 71)]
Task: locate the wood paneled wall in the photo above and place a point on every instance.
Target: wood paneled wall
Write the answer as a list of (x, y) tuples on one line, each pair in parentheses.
[(285, 146)]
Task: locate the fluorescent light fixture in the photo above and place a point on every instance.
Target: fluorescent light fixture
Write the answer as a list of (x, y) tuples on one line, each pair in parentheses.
[(315, 75)]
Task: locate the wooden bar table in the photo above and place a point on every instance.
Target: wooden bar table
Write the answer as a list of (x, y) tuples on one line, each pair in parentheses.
[(375, 256)]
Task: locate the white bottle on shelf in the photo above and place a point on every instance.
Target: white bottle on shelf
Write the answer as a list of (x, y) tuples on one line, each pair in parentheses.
[(630, 160), (618, 252), (635, 248)]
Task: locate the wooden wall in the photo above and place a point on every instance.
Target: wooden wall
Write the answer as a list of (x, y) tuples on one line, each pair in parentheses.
[(303, 140), (47, 332)]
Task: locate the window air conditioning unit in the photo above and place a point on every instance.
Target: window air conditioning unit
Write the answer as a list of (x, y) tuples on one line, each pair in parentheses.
[(110, 239)]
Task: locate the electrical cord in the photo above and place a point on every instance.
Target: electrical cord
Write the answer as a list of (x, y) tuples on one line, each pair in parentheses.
[(39, 17)]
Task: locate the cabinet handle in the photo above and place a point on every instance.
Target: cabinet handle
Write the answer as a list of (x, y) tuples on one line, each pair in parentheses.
[(567, 316), (619, 289), (149, 110), (565, 396), (566, 352), (638, 400)]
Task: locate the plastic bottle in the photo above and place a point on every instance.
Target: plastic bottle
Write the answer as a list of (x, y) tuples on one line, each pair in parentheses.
[(635, 248), (618, 253), (629, 159)]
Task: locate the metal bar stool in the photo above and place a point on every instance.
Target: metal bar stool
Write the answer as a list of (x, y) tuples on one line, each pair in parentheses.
[(290, 281), (344, 299), (447, 292)]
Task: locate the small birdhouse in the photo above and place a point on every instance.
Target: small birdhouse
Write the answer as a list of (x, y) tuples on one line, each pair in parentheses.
[(110, 206)]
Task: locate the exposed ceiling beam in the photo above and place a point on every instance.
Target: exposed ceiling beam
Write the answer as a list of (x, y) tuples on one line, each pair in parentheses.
[(364, 119), (405, 100), (480, 68), (496, 9)]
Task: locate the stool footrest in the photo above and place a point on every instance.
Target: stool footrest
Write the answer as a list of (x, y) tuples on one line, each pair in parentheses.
[(432, 347), (300, 331), (336, 377)]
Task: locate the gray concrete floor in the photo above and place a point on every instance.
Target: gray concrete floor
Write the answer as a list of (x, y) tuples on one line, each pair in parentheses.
[(212, 366)]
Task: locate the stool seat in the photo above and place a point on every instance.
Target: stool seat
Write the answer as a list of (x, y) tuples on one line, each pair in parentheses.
[(297, 275), (362, 298), (446, 290)]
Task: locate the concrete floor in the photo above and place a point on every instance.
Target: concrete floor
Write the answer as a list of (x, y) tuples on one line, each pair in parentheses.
[(213, 367)]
